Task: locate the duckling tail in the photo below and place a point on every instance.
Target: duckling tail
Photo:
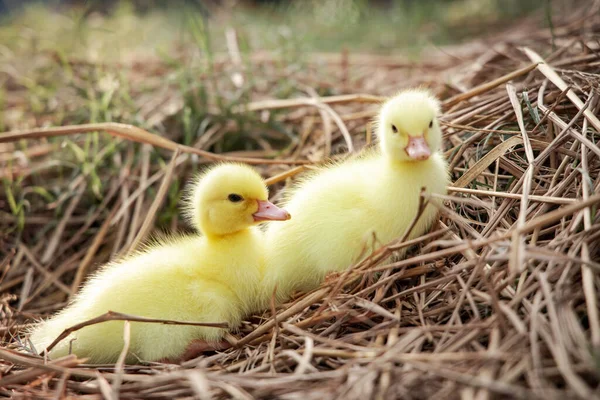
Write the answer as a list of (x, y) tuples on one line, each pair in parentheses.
[(43, 334)]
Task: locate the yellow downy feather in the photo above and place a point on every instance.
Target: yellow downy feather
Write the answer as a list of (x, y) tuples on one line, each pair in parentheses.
[(213, 277), (340, 210)]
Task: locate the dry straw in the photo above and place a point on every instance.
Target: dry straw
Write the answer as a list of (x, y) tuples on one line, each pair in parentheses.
[(499, 300)]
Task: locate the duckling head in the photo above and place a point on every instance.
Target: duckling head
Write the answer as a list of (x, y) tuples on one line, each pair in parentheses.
[(408, 128), (230, 198)]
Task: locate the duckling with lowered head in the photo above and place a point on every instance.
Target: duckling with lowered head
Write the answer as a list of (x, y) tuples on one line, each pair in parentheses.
[(337, 209), (209, 278)]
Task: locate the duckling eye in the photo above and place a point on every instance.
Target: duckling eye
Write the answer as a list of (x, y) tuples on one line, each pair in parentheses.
[(431, 124), (394, 129), (235, 198)]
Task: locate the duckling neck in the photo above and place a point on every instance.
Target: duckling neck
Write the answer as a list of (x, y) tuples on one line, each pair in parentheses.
[(399, 163), (228, 238), (244, 249), (408, 169)]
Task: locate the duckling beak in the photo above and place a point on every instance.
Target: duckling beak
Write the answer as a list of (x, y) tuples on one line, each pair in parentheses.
[(268, 211), (417, 148)]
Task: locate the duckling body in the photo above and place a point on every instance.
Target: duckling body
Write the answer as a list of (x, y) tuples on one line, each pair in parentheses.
[(345, 211), (209, 278)]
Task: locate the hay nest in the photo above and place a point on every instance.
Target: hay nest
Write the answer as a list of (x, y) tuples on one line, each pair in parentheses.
[(500, 299)]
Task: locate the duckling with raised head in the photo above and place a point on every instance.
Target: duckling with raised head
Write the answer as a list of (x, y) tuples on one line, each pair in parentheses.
[(339, 208), (213, 277)]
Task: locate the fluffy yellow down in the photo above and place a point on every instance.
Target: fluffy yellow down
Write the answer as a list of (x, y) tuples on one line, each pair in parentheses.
[(211, 278), (339, 210)]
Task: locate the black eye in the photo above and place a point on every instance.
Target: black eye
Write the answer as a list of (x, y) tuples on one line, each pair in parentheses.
[(394, 129), (431, 124), (235, 198)]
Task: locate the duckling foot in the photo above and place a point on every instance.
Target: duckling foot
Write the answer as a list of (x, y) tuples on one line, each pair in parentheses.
[(332, 277), (195, 349)]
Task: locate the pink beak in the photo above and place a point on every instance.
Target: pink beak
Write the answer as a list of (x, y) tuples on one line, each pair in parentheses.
[(268, 211), (417, 148)]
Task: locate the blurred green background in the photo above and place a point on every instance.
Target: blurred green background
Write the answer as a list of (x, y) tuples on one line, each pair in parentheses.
[(381, 26)]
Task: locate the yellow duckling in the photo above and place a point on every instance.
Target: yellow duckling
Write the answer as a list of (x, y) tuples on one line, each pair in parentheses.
[(209, 278), (340, 208)]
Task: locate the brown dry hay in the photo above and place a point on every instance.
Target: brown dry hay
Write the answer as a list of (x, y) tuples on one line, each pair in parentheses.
[(500, 299)]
